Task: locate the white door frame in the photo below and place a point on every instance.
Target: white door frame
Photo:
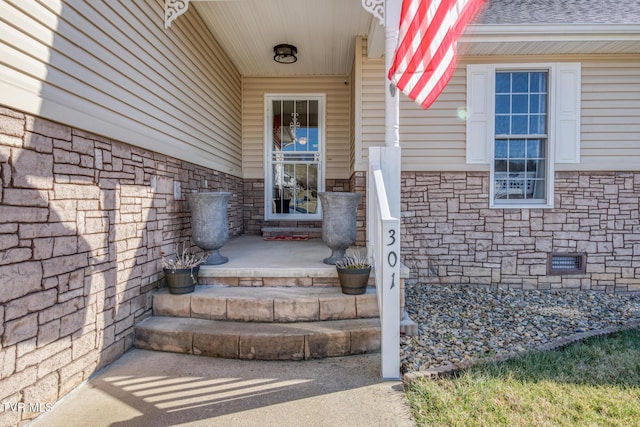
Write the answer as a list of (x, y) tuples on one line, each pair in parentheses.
[(268, 153)]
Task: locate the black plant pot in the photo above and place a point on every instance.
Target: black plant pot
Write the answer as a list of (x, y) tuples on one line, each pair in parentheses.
[(353, 281), (182, 280)]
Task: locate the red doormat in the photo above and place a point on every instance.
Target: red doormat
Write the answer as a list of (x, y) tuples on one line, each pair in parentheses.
[(287, 237)]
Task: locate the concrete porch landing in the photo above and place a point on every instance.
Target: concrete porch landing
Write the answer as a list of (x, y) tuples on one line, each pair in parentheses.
[(252, 256)]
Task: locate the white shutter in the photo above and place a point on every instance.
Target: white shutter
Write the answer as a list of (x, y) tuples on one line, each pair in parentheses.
[(567, 114), (480, 84)]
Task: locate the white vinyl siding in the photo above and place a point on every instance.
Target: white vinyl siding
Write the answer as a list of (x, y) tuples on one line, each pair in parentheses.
[(610, 116), (434, 140), (110, 68), (431, 139), (371, 112), (337, 120)]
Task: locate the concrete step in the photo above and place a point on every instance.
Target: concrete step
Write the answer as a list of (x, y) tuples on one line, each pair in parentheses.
[(260, 341), (266, 304)]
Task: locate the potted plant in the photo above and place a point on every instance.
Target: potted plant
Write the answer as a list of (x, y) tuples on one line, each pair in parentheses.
[(353, 272), (181, 269)]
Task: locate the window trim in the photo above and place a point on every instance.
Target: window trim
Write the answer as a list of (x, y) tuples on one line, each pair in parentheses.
[(563, 116), (549, 149)]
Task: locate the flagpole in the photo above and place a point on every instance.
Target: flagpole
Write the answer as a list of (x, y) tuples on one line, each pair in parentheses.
[(392, 159), (392, 98)]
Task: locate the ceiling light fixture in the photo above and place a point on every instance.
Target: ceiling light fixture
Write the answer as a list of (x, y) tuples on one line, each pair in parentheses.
[(285, 53)]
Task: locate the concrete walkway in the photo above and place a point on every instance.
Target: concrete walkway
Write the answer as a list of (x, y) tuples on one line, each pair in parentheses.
[(147, 388)]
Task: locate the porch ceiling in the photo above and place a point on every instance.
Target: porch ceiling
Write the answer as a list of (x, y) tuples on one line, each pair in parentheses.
[(323, 31)]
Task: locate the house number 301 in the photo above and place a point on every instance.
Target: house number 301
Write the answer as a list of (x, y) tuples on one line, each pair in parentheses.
[(392, 257)]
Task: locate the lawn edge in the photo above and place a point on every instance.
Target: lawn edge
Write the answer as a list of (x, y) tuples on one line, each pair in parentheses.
[(443, 371)]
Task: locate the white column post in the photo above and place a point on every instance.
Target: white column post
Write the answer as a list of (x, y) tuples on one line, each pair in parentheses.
[(388, 11), (391, 98), (391, 164)]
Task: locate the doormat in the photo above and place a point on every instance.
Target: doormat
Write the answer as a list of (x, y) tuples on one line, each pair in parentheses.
[(287, 237)]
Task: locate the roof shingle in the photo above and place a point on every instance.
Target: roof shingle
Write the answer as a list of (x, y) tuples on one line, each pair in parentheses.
[(560, 12)]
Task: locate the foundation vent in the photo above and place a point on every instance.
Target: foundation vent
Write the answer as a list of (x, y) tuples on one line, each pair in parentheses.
[(559, 263)]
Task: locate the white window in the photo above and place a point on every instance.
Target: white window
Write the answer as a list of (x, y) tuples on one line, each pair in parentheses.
[(522, 120), (520, 141)]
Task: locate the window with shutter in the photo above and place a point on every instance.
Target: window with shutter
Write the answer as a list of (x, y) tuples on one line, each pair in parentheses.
[(522, 119)]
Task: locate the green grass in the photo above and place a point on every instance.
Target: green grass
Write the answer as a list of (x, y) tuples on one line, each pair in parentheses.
[(592, 383)]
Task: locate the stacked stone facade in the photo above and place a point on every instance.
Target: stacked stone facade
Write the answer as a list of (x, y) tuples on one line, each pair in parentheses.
[(253, 207), (450, 235), (83, 222)]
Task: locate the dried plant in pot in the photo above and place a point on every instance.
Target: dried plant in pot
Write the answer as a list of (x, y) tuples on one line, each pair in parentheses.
[(181, 269), (353, 272)]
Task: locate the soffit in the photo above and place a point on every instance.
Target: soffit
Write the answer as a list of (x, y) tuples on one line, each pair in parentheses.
[(323, 31)]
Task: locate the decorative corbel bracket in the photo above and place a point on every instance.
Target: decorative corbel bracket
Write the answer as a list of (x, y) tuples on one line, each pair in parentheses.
[(173, 9), (376, 8)]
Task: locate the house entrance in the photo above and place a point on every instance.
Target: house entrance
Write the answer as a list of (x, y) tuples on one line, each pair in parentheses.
[(294, 141)]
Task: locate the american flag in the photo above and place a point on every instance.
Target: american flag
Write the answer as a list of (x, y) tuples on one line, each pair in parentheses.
[(426, 55)]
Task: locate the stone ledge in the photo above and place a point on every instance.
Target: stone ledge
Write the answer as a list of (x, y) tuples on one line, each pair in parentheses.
[(259, 341), (306, 232), (266, 304)]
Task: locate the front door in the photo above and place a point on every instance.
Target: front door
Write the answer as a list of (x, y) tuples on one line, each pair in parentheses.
[(294, 140)]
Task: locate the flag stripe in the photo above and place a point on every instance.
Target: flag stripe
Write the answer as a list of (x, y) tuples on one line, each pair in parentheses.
[(441, 47), (425, 58), (422, 52)]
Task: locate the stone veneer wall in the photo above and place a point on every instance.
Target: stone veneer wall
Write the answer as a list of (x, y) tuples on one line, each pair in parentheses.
[(83, 221), (451, 236), (254, 206)]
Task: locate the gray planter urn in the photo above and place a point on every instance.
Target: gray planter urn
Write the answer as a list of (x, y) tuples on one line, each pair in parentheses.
[(209, 223), (339, 211)]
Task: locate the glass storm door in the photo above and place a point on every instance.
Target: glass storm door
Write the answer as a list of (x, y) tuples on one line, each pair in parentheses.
[(294, 156)]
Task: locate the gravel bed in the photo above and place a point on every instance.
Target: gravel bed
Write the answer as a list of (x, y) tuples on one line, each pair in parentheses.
[(458, 324)]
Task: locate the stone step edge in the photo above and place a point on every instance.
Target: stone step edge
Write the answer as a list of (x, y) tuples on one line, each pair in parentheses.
[(307, 232), (264, 305), (325, 275), (258, 341)]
